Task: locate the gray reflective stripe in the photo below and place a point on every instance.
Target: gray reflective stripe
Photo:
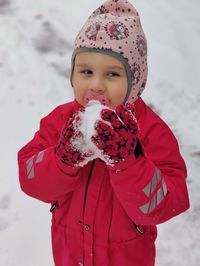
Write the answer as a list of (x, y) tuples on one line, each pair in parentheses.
[(29, 165), (153, 203), (149, 206), (153, 183), (160, 195), (30, 168), (31, 174), (147, 190), (158, 174), (156, 199), (145, 208), (164, 187), (40, 157)]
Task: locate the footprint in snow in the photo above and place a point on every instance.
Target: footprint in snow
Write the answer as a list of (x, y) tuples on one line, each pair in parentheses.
[(5, 202), (4, 6), (7, 218), (48, 41)]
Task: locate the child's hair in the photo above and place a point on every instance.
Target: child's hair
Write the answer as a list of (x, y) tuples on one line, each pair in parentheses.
[(115, 29)]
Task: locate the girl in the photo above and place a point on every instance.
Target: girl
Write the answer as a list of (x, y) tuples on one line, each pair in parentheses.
[(105, 208)]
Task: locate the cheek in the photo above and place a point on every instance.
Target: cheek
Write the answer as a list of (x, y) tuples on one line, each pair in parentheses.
[(119, 94), (117, 97), (77, 88), (79, 92)]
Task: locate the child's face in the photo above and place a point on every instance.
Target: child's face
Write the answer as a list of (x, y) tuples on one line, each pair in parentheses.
[(97, 74)]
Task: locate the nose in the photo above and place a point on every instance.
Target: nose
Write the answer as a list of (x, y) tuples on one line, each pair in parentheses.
[(97, 85)]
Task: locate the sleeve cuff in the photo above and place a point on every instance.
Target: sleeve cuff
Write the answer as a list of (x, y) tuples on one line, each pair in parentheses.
[(66, 169), (131, 159)]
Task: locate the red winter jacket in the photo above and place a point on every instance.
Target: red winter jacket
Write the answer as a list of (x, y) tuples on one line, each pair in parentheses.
[(103, 217)]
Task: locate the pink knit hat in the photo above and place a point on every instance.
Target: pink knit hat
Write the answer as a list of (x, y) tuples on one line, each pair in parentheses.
[(115, 29)]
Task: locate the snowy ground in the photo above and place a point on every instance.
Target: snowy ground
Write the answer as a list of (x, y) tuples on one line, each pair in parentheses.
[(36, 38)]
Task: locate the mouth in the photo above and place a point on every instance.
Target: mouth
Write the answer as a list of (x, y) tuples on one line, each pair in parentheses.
[(101, 98)]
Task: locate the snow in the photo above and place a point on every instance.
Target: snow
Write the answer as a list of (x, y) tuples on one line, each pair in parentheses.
[(85, 129), (36, 39)]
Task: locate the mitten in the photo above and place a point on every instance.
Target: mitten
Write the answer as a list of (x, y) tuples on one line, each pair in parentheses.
[(66, 152), (116, 135)]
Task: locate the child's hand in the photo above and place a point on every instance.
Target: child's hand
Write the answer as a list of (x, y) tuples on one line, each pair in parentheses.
[(66, 152), (116, 137)]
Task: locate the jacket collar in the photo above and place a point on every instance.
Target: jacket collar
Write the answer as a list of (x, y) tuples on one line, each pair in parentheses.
[(77, 106), (139, 106)]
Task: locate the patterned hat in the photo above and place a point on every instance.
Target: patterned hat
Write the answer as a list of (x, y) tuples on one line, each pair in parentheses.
[(115, 29)]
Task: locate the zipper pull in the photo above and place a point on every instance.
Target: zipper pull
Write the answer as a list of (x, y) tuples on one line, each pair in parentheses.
[(138, 228), (53, 207)]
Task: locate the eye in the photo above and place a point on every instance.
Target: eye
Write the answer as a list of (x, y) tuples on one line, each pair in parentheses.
[(113, 74), (86, 72)]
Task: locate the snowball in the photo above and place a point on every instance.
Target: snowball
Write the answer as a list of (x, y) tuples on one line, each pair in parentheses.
[(88, 118)]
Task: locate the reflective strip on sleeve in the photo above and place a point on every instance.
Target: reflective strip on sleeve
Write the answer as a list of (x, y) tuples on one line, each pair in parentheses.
[(160, 195), (30, 164), (153, 203), (145, 208), (30, 168), (147, 190), (40, 156), (31, 174), (158, 174), (153, 183), (164, 187)]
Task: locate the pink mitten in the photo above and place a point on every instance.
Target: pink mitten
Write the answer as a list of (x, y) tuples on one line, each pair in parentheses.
[(117, 135), (66, 152)]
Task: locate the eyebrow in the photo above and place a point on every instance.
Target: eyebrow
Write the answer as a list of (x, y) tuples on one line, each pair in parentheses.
[(82, 65), (109, 67)]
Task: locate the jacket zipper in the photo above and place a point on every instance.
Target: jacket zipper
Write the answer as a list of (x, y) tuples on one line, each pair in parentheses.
[(55, 204), (85, 198), (138, 229), (87, 185)]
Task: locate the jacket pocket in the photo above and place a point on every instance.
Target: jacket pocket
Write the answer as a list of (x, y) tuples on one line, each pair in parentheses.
[(125, 230), (60, 209), (138, 228), (53, 206)]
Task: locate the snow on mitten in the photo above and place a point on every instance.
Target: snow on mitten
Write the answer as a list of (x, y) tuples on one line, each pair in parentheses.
[(86, 127), (66, 151), (116, 135)]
